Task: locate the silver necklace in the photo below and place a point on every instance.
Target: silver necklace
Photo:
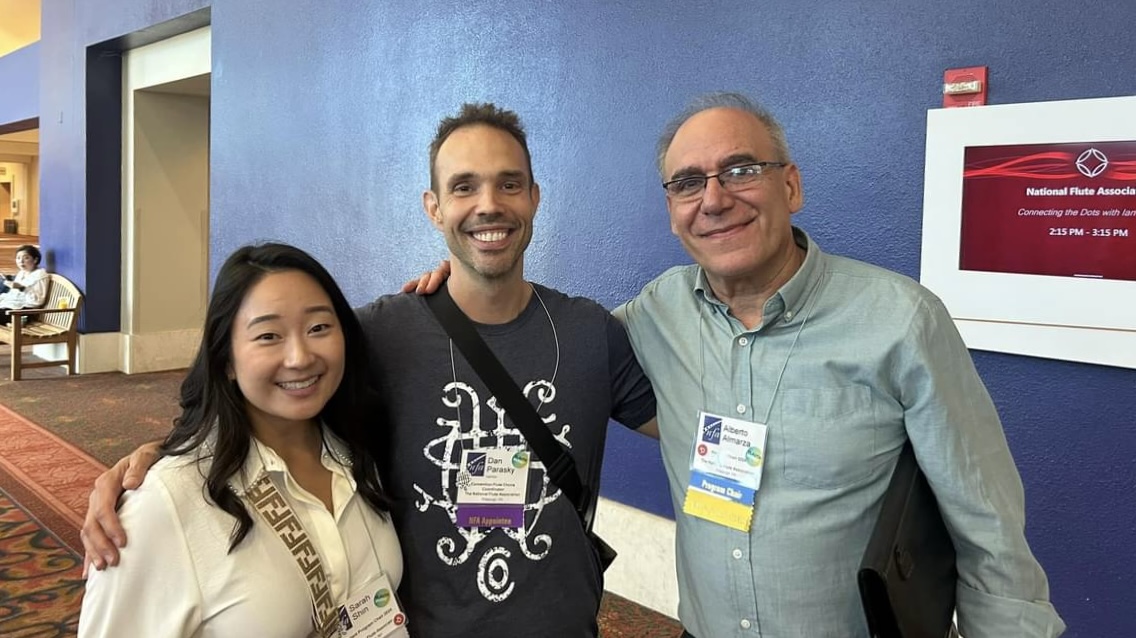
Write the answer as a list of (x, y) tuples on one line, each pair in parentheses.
[(555, 367)]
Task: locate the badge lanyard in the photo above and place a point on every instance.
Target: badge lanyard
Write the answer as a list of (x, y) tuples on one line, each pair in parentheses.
[(372, 609), (275, 511), (492, 484), (812, 297), (555, 365), (728, 455), (271, 505)]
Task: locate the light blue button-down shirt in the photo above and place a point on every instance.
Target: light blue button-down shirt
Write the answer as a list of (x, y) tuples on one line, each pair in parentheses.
[(850, 361)]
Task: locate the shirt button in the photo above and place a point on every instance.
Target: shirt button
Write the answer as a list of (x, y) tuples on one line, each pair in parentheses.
[(737, 554), (745, 623), (743, 341), (788, 316), (741, 409)]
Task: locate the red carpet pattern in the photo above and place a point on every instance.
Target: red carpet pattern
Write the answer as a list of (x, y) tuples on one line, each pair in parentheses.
[(59, 473), (622, 618), (41, 583), (43, 495)]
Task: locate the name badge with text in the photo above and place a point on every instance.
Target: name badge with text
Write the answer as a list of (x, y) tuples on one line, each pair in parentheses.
[(372, 611), (725, 470), (492, 485)]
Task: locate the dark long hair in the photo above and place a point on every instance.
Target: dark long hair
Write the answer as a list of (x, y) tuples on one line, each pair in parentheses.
[(210, 401)]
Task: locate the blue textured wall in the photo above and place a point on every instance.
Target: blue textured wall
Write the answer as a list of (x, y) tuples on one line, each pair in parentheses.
[(19, 73), (321, 117)]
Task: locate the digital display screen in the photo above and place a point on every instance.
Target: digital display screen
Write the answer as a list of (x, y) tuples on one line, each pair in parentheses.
[(1064, 210)]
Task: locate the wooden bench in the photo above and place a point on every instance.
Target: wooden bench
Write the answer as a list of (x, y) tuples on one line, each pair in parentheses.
[(56, 322)]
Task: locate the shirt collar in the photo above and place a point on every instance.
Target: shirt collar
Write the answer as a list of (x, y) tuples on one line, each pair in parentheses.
[(336, 457), (791, 297), (796, 291)]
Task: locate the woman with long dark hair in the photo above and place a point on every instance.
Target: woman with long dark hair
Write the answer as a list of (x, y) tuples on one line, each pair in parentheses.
[(266, 516)]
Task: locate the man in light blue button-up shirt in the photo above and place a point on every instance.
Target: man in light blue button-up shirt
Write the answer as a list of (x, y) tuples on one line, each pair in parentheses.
[(844, 362)]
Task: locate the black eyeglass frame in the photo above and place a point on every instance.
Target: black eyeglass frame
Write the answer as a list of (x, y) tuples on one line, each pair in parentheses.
[(761, 166)]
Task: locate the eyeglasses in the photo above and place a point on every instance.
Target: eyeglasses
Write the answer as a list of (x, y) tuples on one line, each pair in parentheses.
[(732, 179)]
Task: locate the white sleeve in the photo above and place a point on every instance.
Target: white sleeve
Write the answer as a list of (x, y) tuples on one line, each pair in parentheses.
[(35, 293), (154, 591)]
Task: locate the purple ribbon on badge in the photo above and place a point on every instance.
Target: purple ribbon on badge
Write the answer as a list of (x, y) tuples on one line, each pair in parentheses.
[(491, 516)]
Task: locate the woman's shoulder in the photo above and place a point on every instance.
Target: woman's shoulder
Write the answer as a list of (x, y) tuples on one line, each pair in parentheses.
[(170, 492), (180, 477)]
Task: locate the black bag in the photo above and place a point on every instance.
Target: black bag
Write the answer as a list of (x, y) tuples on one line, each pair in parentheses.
[(558, 463), (908, 575)]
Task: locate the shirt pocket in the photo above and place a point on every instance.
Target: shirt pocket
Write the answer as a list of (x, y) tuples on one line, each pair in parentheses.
[(828, 435)]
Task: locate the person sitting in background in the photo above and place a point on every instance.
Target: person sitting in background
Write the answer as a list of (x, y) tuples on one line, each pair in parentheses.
[(28, 287), (266, 516)]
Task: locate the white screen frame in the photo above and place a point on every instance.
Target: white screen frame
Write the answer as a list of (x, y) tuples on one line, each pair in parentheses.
[(1089, 320)]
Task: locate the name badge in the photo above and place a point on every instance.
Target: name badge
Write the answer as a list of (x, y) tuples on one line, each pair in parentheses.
[(372, 611), (492, 486), (725, 470)]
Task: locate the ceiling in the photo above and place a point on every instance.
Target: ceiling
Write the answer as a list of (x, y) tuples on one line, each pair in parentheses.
[(196, 85), (19, 24), (22, 136)]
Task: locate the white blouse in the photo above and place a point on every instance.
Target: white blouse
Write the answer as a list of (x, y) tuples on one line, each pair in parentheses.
[(34, 293), (176, 577)]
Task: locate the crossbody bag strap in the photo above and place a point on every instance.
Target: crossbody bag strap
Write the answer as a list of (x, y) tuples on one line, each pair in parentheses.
[(274, 509), (558, 463)]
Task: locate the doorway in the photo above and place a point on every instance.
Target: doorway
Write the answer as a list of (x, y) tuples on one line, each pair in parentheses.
[(165, 201)]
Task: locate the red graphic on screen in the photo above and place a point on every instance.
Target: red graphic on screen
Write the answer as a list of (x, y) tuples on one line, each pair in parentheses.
[(1065, 210)]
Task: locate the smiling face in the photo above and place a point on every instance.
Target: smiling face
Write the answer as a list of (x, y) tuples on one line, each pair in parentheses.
[(287, 350), (485, 201), (733, 235), (25, 262)]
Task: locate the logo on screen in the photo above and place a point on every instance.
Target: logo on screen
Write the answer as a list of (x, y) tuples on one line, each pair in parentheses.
[(475, 464), (1092, 163), (711, 429)]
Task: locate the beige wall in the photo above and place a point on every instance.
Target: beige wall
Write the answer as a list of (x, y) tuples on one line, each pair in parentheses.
[(13, 175), (29, 210), (19, 155), (165, 212), (171, 208), (19, 178)]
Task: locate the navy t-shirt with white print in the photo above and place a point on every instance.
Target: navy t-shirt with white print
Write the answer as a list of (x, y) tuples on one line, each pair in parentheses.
[(543, 580)]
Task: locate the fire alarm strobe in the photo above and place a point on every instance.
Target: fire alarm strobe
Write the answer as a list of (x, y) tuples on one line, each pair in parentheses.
[(964, 87)]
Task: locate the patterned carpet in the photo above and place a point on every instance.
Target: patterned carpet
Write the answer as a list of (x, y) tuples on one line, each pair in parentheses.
[(40, 579), (66, 430), (107, 415), (41, 480), (57, 473)]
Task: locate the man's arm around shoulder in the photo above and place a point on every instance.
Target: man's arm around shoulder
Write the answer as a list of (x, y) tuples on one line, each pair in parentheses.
[(102, 532)]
